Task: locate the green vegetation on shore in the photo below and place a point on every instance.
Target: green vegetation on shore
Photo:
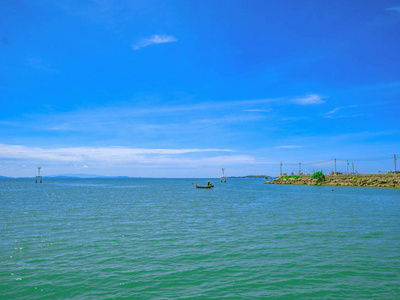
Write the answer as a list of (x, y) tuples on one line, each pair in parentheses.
[(287, 177), (319, 176), (370, 180)]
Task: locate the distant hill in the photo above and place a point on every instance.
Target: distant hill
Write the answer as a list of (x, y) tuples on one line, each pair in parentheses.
[(83, 176)]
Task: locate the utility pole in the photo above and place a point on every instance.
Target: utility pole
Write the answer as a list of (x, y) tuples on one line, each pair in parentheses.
[(352, 166), (395, 171), (347, 166), (335, 166), (280, 173), (299, 168)]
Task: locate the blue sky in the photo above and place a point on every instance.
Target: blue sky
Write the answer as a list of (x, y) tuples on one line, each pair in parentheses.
[(185, 88)]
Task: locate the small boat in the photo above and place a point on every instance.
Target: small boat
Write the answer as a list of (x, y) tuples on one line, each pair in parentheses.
[(203, 186)]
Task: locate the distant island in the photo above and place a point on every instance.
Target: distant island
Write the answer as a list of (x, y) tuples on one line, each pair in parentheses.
[(251, 176), (84, 176)]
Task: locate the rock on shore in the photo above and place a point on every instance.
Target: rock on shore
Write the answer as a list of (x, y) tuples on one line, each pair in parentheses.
[(377, 180)]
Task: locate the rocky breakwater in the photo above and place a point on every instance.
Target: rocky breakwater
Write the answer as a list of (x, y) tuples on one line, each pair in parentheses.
[(370, 180)]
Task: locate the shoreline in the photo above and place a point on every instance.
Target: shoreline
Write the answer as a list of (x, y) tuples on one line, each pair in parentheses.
[(368, 180)]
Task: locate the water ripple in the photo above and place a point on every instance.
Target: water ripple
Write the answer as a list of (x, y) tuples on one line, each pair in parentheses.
[(158, 239)]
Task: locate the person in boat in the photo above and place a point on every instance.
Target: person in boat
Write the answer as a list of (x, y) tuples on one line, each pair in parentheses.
[(208, 183)]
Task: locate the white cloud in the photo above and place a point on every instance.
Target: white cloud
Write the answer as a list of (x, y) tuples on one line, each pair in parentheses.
[(154, 39), (120, 161), (79, 154), (309, 100), (288, 147)]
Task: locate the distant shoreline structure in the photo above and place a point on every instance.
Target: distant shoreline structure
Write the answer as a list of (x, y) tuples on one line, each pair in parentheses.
[(367, 180)]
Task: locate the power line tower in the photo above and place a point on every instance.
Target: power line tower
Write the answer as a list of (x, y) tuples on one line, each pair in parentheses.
[(38, 176), (223, 175)]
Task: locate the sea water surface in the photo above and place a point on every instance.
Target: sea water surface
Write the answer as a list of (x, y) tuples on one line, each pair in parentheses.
[(165, 239)]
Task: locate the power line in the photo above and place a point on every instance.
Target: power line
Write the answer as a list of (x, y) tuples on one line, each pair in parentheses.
[(308, 163), (376, 158), (386, 157)]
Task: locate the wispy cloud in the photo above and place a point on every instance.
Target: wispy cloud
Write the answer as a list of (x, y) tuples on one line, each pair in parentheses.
[(103, 118), (119, 160), (230, 119), (309, 100), (215, 105), (11, 124), (38, 63), (288, 147), (396, 8), (333, 112), (154, 39), (80, 154), (107, 119), (258, 110), (301, 118)]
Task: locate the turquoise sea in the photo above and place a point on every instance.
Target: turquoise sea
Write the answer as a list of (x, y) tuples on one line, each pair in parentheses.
[(165, 239)]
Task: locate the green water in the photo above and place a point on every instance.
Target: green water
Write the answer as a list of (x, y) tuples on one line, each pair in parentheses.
[(165, 239)]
